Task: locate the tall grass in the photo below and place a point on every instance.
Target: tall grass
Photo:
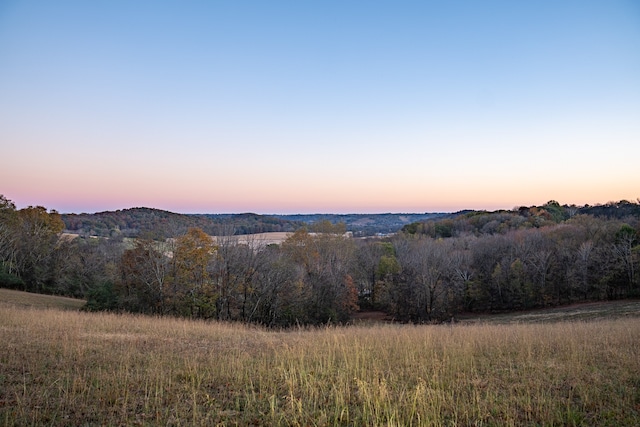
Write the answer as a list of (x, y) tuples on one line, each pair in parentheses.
[(71, 368)]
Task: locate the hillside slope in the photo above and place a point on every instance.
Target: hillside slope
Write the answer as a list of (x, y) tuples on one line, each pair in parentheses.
[(161, 224)]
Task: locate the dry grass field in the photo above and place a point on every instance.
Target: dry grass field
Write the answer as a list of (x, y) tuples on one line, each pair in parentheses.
[(61, 367)]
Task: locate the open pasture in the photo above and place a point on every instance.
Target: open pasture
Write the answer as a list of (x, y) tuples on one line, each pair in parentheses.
[(73, 368)]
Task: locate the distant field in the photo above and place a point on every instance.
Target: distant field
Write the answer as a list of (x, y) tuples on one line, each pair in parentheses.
[(260, 239), (575, 312), (62, 367), (24, 299)]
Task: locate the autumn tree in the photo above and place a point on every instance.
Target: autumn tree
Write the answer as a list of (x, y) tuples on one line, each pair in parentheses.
[(249, 260), (38, 232), (372, 264), (235, 270), (280, 296), (394, 271), (191, 291), (387, 275), (625, 248), (232, 270), (487, 253), (144, 276), (91, 267), (324, 259), (428, 270), (9, 222), (463, 274)]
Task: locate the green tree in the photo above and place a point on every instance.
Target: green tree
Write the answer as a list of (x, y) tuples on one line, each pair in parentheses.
[(556, 211)]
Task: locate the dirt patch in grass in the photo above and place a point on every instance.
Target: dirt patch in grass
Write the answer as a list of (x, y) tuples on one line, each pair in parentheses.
[(370, 317)]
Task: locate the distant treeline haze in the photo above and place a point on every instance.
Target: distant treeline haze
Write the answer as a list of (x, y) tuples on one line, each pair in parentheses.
[(430, 271), (159, 224)]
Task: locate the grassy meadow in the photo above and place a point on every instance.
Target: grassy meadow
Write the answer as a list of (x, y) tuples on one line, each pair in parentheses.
[(62, 367)]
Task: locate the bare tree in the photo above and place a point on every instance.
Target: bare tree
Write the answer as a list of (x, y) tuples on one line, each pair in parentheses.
[(428, 270)]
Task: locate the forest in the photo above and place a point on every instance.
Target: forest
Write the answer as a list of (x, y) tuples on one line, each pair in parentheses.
[(157, 223), (430, 271), (160, 224)]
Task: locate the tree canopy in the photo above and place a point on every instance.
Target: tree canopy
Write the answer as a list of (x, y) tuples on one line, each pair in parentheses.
[(431, 271)]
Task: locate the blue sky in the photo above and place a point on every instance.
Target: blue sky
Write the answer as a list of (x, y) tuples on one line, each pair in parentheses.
[(278, 107)]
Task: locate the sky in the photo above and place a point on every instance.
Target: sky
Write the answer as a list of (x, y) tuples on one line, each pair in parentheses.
[(318, 106)]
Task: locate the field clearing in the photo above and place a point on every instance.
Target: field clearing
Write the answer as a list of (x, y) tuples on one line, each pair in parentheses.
[(257, 239), (576, 312), (62, 367), (14, 298)]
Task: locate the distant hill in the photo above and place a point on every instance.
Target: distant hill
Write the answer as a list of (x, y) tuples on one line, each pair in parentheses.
[(160, 224), (619, 210), (366, 224), (499, 222)]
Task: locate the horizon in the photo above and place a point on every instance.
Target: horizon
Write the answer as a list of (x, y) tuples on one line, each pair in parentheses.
[(408, 106), (70, 209), (18, 206)]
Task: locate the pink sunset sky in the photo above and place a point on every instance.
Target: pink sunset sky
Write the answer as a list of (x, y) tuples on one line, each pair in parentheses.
[(327, 107)]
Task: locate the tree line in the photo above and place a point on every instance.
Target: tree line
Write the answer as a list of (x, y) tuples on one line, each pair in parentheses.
[(431, 271), (160, 224)]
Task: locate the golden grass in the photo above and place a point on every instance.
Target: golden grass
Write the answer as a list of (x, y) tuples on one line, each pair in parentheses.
[(73, 368)]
